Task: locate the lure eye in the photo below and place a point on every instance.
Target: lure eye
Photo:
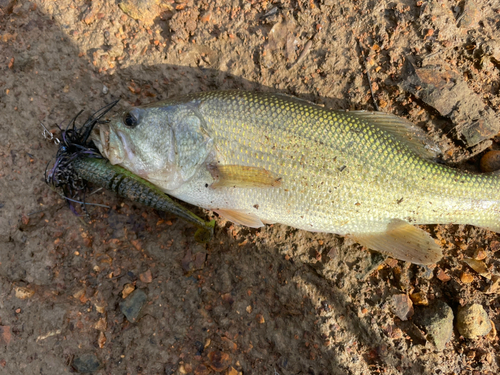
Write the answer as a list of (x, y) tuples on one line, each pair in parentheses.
[(130, 120)]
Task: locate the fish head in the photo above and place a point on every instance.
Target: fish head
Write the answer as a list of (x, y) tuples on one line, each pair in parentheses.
[(162, 144)]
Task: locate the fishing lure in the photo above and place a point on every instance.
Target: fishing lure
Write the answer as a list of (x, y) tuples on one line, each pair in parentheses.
[(78, 162)]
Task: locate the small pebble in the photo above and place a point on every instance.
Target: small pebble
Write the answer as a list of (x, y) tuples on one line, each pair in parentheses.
[(127, 289), (443, 276), (490, 161), (199, 260), (201, 370), (470, 16), (403, 306), (466, 278), (141, 10), (24, 293), (494, 287), (131, 306), (473, 321), (146, 277), (218, 361), (419, 298), (101, 324), (479, 266), (479, 254), (492, 336), (101, 340), (437, 321), (86, 363)]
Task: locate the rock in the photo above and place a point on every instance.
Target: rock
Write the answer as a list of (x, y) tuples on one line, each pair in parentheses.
[(403, 306), (24, 292), (479, 253), (466, 278), (437, 321), (201, 370), (443, 276), (473, 321), (494, 287), (491, 48), (141, 10), (127, 290), (146, 277), (494, 246), (419, 298), (470, 16), (444, 89), (133, 304), (101, 340), (218, 361), (479, 266), (199, 260), (101, 324), (492, 336), (490, 162), (86, 363), (5, 335)]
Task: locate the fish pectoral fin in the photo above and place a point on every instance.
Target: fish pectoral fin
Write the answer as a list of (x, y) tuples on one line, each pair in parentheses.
[(241, 217), (404, 131), (243, 177), (402, 241)]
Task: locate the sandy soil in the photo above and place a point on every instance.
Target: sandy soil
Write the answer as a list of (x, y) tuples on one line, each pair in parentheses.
[(268, 301)]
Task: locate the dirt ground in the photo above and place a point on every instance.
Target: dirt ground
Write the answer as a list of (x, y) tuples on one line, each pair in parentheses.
[(269, 301)]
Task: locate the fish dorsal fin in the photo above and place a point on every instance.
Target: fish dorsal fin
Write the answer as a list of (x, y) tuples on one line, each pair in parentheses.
[(243, 177), (402, 241), (241, 217), (403, 130)]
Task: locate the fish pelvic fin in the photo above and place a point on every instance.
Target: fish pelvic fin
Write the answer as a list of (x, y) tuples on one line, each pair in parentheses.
[(243, 177), (241, 217), (402, 130), (402, 241)]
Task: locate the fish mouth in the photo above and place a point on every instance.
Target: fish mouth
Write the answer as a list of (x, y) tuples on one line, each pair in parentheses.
[(109, 143)]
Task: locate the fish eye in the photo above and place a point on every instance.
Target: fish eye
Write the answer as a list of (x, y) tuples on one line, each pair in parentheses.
[(130, 120)]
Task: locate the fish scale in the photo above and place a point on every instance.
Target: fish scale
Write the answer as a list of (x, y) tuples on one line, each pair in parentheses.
[(364, 174), (376, 167)]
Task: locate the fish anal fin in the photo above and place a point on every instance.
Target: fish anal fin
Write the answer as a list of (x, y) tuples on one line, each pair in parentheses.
[(402, 241), (243, 177), (241, 217), (403, 130)]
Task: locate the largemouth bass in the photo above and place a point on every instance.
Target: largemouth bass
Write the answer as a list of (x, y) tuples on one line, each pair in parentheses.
[(258, 158)]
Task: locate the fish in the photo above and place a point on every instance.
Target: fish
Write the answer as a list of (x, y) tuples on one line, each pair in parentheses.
[(262, 158)]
